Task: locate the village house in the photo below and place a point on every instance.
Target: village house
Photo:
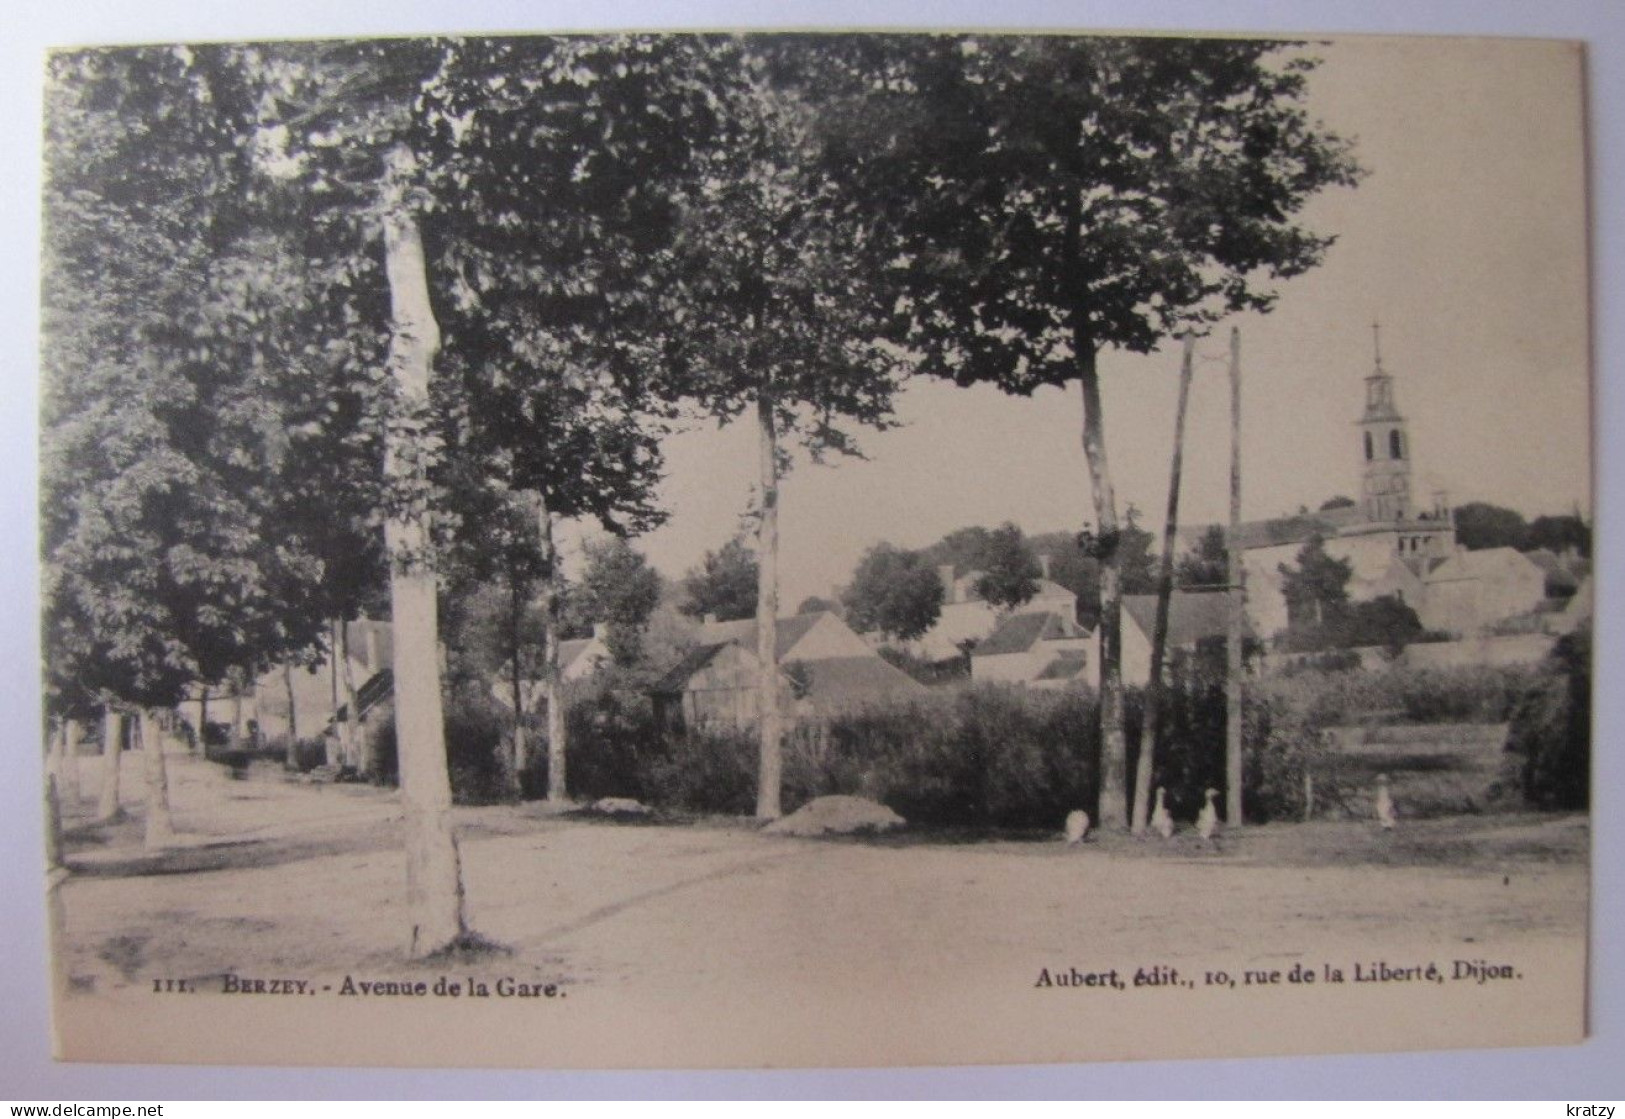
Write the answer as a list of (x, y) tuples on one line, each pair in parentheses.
[(579, 659), (966, 617), (364, 650), (1193, 617), (825, 669), (1038, 648)]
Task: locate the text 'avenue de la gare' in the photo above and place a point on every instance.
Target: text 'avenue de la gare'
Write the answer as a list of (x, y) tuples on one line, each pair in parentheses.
[(1476, 971), (503, 987)]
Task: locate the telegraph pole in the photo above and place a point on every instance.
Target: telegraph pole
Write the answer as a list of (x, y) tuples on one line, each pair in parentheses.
[(1238, 600)]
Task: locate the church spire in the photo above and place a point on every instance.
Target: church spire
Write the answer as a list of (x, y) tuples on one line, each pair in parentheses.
[(1386, 470)]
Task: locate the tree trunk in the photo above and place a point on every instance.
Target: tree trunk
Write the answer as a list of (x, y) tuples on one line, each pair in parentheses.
[(203, 721), (333, 625), (434, 887), (65, 765), (770, 770), (160, 825), (292, 759), (1151, 723), (521, 748), (53, 828), (1238, 602), (1111, 811), (108, 809), (238, 712), (552, 676), (350, 728)]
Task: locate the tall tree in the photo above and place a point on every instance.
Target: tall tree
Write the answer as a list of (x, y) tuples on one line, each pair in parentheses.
[(564, 160), (1085, 194), (1206, 564), (1482, 525), (895, 592), (723, 585), (1011, 577), (1316, 593), (783, 320), (157, 571), (619, 590)]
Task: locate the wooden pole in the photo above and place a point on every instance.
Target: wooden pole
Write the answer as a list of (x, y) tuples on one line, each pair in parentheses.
[(1151, 721), (1238, 602)]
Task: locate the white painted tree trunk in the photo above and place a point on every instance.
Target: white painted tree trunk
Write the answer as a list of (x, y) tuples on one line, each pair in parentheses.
[(1112, 810), (66, 762), (107, 808), (770, 771), (350, 729), (552, 675), (293, 715), (516, 680), (434, 887), (160, 824)]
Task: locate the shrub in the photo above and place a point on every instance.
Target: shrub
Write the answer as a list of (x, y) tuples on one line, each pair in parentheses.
[(1551, 727), (475, 724), (705, 770)]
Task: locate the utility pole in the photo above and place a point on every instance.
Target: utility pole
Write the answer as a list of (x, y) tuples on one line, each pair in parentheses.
[(1238, 601)]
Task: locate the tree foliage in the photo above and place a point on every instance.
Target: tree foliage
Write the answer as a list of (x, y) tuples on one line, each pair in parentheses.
[(620, 591), (894, 591), (1012, 572), (724, 584)]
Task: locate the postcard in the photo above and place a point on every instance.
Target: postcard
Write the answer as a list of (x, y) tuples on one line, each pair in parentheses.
[(664, 550)]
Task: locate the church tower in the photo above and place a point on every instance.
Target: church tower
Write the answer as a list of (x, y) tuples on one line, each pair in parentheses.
[(1386, 477)]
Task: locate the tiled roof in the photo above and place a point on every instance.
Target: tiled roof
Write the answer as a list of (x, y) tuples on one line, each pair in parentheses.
[(1192, 615), (1019, 632), (844, 682), (743, 632), (677, 677)]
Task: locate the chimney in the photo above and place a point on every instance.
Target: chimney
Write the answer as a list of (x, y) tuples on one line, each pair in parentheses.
[(1043, 563), (946, 573)]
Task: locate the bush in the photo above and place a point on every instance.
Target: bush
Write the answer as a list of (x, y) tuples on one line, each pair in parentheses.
[(475, 724), (1460, 694), (1551, 728)]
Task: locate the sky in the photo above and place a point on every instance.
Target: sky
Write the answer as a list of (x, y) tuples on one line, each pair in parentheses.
[(1466, 241)]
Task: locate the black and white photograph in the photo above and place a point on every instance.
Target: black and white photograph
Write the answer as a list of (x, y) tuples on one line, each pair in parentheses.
[(814, 549)]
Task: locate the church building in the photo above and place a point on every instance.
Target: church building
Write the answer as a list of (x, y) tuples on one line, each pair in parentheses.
[(1392, 543)]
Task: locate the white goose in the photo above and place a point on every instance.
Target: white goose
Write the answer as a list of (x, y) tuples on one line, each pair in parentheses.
[(1385, 804), (1207, 821), (1161, 822), (1077, 826)]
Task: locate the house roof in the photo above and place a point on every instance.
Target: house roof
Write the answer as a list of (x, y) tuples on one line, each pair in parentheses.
[(837, 682), (677, 676), (1020, 632), (1283, 530), (377, 688), (1484, 563), (1192, 615), (570, 650), (743, 632)]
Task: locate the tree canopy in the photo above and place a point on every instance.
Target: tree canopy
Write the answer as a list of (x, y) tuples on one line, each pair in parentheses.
[(894, 591)]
